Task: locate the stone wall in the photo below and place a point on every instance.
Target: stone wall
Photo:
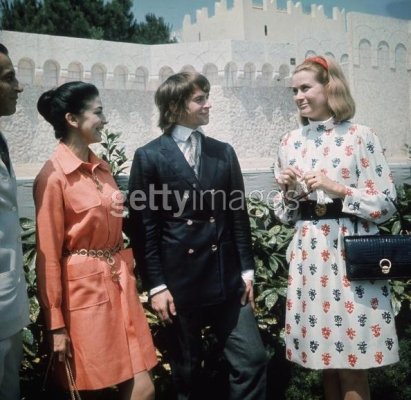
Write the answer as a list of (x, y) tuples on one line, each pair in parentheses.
[(250, 76), (251, 119)]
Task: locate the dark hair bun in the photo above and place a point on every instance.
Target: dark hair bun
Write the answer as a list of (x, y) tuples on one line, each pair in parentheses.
[(44, 104)]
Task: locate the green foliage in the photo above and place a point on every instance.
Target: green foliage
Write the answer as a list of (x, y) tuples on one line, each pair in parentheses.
[(401, 290), (94, 19), (270, 240), (113, 153), (153, 31), (35, 354)]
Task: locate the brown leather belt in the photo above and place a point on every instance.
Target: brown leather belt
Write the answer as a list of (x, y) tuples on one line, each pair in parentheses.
[(311, 210)]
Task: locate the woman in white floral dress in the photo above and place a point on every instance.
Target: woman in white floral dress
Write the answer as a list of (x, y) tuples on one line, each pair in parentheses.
[(333, 324)]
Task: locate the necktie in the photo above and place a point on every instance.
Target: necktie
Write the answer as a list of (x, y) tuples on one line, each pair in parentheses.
[(4, 152), (192, 152)]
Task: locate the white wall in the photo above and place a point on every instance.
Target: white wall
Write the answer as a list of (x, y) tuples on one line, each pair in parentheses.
[(252, 104)]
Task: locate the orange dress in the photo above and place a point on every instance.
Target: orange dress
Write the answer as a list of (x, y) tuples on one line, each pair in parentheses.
[(110, 337)]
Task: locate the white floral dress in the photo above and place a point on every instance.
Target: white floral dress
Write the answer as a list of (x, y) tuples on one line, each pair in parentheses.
[(330, 321)]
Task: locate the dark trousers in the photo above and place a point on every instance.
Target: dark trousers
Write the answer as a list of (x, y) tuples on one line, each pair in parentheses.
[(236, 330)]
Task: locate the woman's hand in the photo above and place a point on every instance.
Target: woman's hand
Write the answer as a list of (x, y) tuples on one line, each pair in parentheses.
[(288, 179), (317, 180), (60, 342)]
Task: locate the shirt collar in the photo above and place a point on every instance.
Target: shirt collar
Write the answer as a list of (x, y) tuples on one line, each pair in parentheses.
[(321, 126), (69, 162), (181, 133)]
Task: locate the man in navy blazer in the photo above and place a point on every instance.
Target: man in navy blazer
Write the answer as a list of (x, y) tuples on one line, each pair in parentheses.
[(14, 308), (190, 234)]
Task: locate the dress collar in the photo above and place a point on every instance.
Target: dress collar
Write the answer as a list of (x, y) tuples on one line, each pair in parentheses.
[(321, 126), (181, 133), (69, 162)]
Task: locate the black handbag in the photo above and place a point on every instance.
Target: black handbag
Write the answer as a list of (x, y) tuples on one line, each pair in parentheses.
[(375, 257)]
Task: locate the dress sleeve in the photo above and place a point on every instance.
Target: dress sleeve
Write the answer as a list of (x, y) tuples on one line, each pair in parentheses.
[(369, 199), (285, 211), (49, 204)]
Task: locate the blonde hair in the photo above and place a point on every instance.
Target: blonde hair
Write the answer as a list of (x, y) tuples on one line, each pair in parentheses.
[(340, 102)]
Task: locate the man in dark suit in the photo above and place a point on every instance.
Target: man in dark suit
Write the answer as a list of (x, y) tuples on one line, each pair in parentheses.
[(191, 238)]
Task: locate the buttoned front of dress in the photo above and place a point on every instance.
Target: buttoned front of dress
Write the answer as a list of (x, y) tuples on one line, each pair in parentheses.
[(78, 207)]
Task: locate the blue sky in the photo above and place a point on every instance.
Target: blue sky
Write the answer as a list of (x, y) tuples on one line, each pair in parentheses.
[(173, 11)]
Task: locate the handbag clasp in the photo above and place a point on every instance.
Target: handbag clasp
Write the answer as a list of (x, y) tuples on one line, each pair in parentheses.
[(385, 265), (320, 209)]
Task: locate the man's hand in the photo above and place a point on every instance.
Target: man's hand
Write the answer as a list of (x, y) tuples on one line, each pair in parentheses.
[(248, 295), (163, 304), (61, 343)]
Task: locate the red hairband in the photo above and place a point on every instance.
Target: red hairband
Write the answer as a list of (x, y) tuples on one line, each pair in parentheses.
[(318, 60)]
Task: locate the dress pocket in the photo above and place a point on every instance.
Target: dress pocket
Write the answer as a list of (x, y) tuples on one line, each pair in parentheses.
[(81, 197), (86, 286)]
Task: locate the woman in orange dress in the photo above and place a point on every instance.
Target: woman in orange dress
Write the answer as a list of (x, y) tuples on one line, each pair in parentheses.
[(86, 284)]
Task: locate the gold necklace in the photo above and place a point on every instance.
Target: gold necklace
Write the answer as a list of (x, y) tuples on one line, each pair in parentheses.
[(96, 181)]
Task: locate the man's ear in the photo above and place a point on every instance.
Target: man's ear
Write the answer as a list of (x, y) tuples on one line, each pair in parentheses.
[(71, 120)]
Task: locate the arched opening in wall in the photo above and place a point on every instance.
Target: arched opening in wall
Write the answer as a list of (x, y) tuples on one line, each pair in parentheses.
[(249, 74), (365, 53), (188, 68), (74, 72), (383, 55), (344, 60), (120, 77), (310, 53), (283, 72), (164, 73), (25, 71), (267, 71), (98, 75), (265, 30), (210, 71), (330, 55), (400, 56), (141, 78), (51, 71), (230, 74)]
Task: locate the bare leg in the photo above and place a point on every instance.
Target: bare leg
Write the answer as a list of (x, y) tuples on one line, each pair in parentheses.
[(331, 382), (354, 384), (139, 388)]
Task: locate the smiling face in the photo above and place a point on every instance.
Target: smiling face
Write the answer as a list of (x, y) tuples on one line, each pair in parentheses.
[(9, 86), (91, 121), (197, 110), (310, 96)]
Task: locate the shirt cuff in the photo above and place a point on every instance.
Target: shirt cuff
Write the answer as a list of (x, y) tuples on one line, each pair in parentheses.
[(157, 289), (248, 275)]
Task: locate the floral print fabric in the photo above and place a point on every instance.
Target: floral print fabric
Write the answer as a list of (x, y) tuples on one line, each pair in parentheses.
[(330, 321)]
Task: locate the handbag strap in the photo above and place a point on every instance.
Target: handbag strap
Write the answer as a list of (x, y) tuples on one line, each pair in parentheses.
[(400, 217), (74, 393), (46, 375)]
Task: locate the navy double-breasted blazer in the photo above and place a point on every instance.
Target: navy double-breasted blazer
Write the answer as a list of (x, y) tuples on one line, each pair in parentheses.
[(191, 234)]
